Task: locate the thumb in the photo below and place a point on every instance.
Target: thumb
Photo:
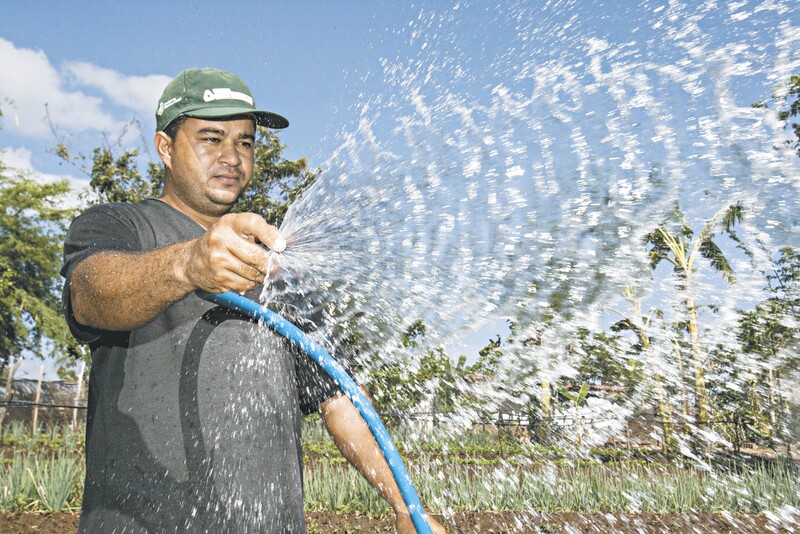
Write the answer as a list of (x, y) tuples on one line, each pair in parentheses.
[(255, 226)]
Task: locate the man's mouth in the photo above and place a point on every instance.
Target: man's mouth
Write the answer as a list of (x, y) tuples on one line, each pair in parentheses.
[(228, 178)]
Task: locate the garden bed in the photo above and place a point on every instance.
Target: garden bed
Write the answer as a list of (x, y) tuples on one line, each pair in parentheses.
[(604, 490), (477, 522)]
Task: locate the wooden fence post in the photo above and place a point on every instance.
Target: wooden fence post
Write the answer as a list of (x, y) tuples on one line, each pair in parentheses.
[(9, 390), (35, 423), (78, 396)]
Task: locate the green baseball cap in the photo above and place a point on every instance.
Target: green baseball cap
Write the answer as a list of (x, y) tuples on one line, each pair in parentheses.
[(210, 94)]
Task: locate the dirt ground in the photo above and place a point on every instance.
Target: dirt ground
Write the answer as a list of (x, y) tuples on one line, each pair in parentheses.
[(483, 523)]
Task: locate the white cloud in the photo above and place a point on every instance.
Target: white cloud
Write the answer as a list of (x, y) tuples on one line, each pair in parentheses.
[(20, 160), (31, 87), (139, 93)]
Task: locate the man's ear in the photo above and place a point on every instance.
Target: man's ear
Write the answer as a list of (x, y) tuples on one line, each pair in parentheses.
[(163, 144)]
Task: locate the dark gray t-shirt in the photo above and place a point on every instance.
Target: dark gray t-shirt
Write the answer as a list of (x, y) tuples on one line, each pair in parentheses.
[(194, 419)]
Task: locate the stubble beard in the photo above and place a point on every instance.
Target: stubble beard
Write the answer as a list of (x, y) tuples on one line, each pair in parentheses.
[(209, 201)]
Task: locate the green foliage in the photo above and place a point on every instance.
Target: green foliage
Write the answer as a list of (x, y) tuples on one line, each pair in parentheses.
[(442, 375), (569, 486), (402, 386), (113, 172), (489, 358), (393, 388), (739, 401), (784, 281), (56, 479), (603, 359), (32, 227), (771, 329), (45, 471), (117, 179), (50, 483), (576, 399), (679, 247), (786, 99), (477, 470), (414, 334), (771, 333), (790, 105), (474, 471)]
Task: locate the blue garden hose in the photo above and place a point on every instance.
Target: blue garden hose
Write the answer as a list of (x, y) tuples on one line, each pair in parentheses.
[(283, 327)]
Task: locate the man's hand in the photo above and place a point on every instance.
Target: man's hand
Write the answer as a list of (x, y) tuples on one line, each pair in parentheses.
[(228, 257), (404, 525)]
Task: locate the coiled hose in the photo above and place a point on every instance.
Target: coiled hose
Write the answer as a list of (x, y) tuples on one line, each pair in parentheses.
[(286, 329)]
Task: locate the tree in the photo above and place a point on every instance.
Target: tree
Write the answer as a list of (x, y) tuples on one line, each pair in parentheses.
[(677, 248), (32, 229), (640, 326), (771, 333), (792, 100), (114, 174), (489, 358), (787, 100), (402, 385), (394, 385)]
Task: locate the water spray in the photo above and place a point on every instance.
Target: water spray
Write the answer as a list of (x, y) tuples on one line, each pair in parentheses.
[(297, 337)]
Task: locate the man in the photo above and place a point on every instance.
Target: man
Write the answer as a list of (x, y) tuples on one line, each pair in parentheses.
[(194, 411)]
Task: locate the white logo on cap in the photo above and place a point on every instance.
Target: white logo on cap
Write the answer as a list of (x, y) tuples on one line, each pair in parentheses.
[(164, 105), (225, 93)]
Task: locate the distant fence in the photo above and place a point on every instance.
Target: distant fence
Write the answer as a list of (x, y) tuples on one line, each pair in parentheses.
[(505, 419), (40, 402)]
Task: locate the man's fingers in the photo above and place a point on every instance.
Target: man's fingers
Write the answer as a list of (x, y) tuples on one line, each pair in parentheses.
[(273, 239), (252, 255), (230, 256), (250, 273), (253, 225)]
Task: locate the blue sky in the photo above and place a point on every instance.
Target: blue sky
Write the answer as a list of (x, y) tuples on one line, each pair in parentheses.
[(306, 60), (103, 63), (98, 65)]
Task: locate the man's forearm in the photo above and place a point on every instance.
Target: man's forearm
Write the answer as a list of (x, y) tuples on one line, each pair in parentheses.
[(122, 290), (353, 438)]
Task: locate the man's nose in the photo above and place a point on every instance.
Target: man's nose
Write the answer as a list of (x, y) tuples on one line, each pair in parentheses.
[(229, 155)]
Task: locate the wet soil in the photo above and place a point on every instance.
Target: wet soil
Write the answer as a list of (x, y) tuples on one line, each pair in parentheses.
[(483, 523)]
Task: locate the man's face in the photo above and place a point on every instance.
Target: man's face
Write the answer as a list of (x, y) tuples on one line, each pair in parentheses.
[(211, 164)]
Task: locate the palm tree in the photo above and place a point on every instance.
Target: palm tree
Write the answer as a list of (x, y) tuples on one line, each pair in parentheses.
[(681, 250)]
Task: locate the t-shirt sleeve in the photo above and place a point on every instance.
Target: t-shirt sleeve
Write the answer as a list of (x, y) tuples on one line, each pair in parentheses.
[(96, 230), (314, 385)]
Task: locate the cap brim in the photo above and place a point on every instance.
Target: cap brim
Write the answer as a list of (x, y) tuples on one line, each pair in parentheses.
[(263, 118)]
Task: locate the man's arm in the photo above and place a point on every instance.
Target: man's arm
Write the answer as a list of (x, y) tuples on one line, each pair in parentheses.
[(353, 438), (124, 290)]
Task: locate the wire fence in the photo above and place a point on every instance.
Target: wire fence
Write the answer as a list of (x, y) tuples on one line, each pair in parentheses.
[(43, 402), (31, 404)]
